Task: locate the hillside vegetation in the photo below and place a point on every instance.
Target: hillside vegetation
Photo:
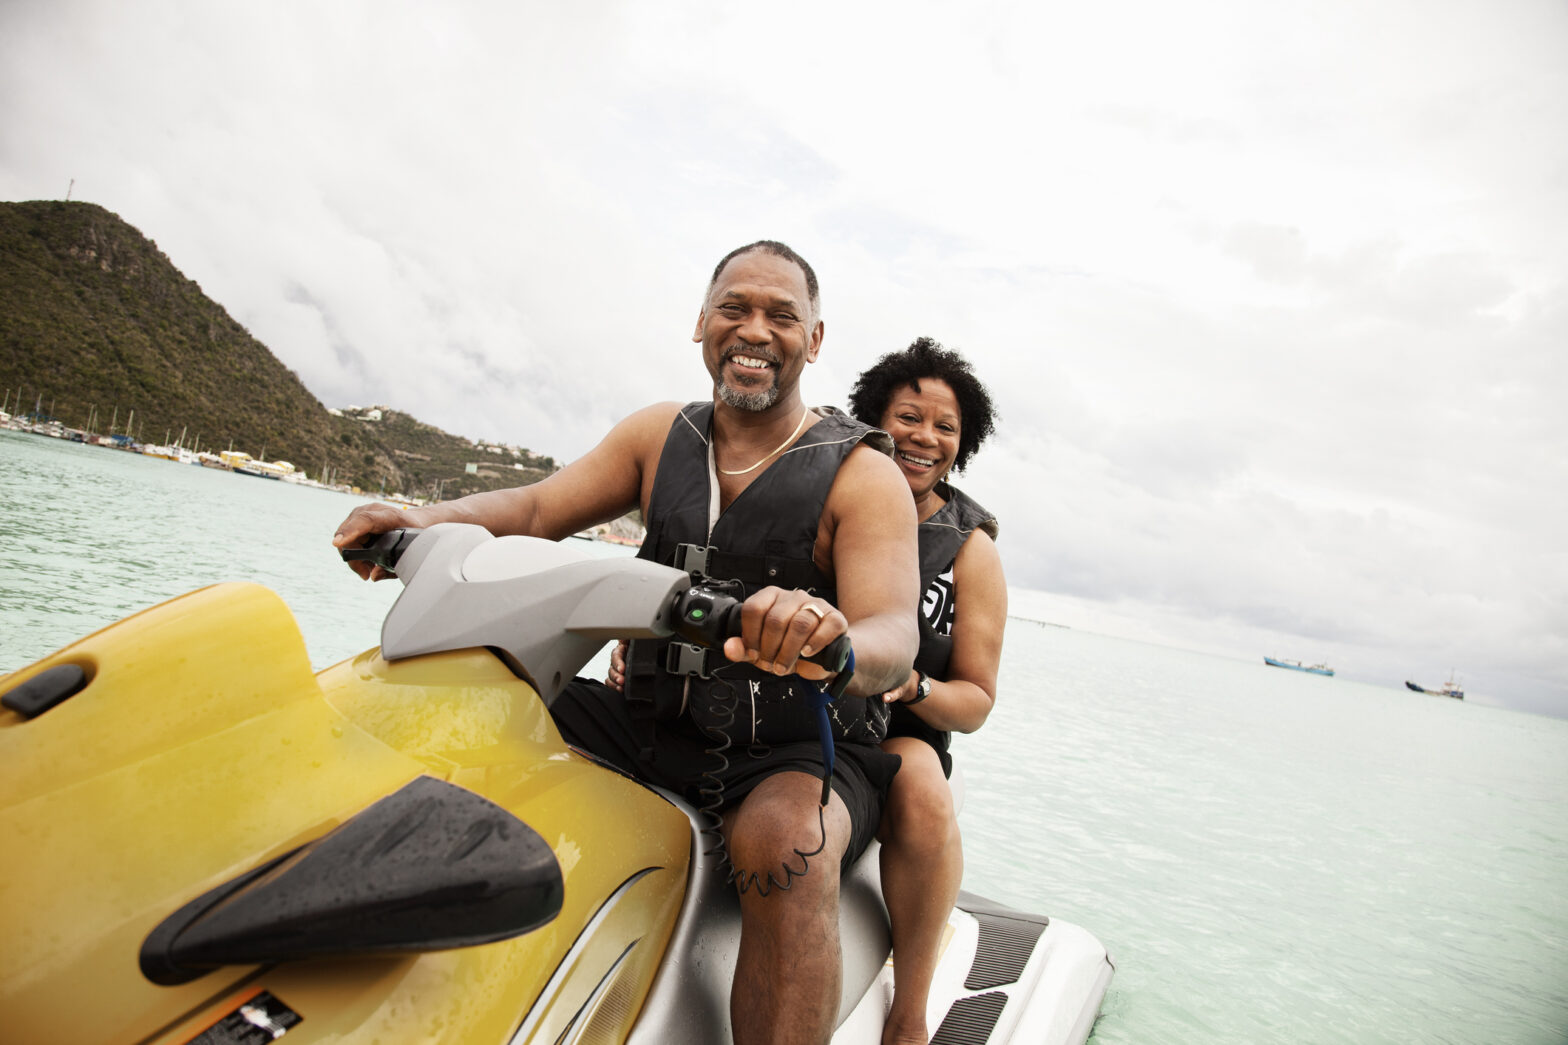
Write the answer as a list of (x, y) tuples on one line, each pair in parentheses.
[(96, 324)]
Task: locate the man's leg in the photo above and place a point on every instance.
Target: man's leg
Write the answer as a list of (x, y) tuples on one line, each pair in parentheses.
[(787, 975)]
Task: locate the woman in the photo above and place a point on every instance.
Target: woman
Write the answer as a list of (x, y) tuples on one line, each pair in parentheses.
[(938, 414)]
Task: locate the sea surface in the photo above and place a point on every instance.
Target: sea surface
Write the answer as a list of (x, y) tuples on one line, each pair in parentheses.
[(1269, 856)]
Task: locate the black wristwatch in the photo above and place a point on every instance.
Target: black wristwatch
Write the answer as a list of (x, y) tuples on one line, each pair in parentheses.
[(922, 688)]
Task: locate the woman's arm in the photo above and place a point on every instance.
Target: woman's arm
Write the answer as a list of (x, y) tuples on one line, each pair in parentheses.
[(962, 701)]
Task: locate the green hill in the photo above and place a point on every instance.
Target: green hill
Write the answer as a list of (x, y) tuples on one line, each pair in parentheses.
[(96, 323)]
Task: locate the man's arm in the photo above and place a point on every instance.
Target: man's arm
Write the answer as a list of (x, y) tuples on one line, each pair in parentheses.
[(876, 567), (867, 541), (604, 484)]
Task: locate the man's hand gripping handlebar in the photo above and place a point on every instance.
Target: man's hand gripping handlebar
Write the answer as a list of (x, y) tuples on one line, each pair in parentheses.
[(708, 617), (384, 551)]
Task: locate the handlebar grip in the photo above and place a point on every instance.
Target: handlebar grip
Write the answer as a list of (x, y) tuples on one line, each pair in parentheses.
[(384, 551), (834, 656)]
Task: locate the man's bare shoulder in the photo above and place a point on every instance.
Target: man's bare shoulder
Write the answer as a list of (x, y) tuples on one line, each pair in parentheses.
[(643, 428), (869, 480), (658, 415), (867, 462)]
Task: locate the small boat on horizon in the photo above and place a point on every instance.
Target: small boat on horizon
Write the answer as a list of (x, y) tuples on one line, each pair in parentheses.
[(1296, 665), (1447, 689)]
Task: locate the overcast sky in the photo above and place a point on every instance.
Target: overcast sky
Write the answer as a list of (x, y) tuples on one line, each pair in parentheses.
[(1274, 297)]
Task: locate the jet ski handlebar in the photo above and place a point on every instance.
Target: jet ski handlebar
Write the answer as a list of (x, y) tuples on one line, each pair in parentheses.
[(699, 614), (384, 551), (548, 611)]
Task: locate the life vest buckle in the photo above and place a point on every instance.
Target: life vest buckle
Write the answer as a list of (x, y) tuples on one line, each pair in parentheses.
[(693, 558), (682, 658)]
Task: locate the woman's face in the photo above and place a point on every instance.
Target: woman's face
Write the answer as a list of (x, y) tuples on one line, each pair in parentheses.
[(925, 426)]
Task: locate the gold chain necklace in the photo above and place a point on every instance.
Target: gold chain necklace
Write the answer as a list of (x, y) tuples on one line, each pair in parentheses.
[(770, 453)]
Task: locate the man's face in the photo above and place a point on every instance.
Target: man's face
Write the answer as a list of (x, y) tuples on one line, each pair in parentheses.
[(757, 331)]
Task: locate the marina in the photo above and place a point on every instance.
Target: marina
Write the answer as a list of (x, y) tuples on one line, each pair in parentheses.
[(229, 460), (625, 532)]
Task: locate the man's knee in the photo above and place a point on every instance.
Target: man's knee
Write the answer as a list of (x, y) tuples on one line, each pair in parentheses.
[(782, 825)]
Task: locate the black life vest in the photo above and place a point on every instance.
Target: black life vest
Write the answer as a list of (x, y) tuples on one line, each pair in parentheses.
[(765, 537), (941, 537)]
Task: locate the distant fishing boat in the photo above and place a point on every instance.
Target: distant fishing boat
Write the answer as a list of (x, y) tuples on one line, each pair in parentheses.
[(1447, 689), (1296, 665)]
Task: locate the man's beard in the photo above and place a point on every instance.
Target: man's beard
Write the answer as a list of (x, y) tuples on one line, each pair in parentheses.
[(752, 402)]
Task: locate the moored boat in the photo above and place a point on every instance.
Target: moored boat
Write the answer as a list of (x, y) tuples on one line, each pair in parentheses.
[(170, 453), (266, 469)]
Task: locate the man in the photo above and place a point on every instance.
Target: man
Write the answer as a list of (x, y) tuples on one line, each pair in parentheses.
[(759, 327)]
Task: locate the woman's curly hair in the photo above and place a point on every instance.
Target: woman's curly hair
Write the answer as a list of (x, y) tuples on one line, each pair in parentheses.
[(926, 358)]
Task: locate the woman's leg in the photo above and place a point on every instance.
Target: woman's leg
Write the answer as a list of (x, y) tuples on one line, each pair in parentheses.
[(922, 866)]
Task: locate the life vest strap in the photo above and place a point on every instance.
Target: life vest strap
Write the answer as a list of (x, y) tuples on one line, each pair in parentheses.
[(710, 563)]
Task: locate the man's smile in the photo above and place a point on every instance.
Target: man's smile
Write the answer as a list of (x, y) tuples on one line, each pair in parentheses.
[(749, 362)]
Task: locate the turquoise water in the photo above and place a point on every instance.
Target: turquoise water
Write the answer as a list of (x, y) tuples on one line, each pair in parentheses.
[(1269, 856), (1279, 857)]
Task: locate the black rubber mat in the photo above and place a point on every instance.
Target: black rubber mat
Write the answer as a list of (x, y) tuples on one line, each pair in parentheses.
[(1006, 942), (970, 1020)]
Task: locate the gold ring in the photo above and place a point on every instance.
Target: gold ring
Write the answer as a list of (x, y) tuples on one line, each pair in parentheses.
[(814, 608)]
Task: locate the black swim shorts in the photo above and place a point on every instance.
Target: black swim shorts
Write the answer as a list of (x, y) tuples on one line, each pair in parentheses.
[(903, 722), (593, 717)]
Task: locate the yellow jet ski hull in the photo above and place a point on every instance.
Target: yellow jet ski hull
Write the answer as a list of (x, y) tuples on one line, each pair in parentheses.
[(203, 746)]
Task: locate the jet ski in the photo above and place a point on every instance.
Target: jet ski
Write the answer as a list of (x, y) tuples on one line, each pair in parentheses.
[(209, 843)]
